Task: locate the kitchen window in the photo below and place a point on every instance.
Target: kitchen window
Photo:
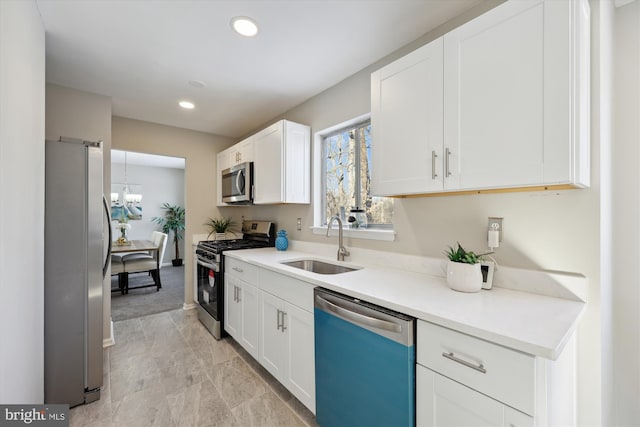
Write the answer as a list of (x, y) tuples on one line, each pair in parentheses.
[(343, 184)]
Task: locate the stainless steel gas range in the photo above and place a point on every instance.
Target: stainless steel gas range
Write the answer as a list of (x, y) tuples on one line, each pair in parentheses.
[(210, 270)]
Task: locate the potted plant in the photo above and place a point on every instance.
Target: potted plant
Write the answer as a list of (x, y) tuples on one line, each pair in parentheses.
[(219, 227), (173, 221), (463, 270)]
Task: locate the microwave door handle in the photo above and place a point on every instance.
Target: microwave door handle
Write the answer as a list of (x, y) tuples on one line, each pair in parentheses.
[(239, 180)]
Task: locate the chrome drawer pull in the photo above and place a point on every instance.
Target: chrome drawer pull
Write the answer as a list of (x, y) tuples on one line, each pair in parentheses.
[(239, 270), (451, 356), (447, 155), (284, 327), (434, 175)]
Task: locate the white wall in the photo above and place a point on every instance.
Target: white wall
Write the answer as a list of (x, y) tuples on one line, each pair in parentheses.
[(22, 100), (200, 175), (625, 292), (159, 185)]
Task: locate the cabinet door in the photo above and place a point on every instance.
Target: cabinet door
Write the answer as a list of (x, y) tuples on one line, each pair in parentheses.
[(232, 308), (297, 163), (407, 121), (300, 373), (268, 165), (273, 341), (444, 402), (495, 98), (242, 152), (249, 321)]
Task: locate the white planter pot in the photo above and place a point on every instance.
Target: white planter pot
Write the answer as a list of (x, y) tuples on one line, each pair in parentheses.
[(464, 277), (220, 236)]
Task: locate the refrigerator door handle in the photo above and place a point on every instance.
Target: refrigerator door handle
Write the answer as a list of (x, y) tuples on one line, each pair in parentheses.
[(108, 257)]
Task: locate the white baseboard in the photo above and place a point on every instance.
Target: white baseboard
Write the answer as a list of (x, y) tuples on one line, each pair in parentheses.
[(110, 340), (191, 306)]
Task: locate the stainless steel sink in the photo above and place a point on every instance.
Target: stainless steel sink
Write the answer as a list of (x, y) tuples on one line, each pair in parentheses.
[(320, 267)]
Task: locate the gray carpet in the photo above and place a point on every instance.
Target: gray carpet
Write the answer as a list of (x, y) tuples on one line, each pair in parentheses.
[(145, 301)]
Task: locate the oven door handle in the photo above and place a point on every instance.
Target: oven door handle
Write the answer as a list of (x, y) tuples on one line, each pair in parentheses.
[(210, 266)]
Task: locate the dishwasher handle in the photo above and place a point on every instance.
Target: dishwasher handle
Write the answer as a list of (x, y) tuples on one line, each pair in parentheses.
[(372, 322)]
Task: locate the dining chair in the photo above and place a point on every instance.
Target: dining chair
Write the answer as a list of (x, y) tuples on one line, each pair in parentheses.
[(155, 238), (117, 267), (142, 262)]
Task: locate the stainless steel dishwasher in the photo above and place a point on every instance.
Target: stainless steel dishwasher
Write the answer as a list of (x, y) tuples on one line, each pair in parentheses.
[(365, 363)]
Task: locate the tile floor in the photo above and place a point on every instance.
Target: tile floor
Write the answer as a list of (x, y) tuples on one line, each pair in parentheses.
[(167, 370)]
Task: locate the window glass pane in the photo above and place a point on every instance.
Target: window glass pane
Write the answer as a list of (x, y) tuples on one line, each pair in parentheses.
[(339, 173), (347, 176)]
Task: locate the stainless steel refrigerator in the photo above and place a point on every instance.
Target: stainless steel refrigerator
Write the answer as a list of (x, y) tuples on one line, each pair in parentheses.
[(75, 264)]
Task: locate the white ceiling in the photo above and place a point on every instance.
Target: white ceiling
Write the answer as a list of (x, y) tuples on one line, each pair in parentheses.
[(143, 53)]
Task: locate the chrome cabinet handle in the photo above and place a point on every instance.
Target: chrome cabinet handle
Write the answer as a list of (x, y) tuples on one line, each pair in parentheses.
[(239, 270), (278, 320), (235, 294), (447, 154), (451, 356), (238, 293), (284, 327), (434, 156)]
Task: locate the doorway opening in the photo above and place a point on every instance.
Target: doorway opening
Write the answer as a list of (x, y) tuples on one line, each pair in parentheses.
[(142, 186)]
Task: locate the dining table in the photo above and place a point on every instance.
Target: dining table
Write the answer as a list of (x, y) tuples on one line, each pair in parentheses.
[(133, 246)]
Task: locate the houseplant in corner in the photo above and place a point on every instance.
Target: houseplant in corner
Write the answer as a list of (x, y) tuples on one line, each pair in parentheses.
[(173, 221), (463, 270), (219, 227)]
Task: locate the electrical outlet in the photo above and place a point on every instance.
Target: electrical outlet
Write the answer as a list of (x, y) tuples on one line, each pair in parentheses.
[(496, 220), (299, 224)]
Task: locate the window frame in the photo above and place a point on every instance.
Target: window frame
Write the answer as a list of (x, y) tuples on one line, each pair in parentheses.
[(379, 232)]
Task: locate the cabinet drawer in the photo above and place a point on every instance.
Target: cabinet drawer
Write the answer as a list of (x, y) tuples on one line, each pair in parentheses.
[(241, 270), (295, 291), (504, 374)]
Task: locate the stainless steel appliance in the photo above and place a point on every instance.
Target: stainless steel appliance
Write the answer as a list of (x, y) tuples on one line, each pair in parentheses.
[(365, 363), (237, 183), (210, 270), (75, 263)]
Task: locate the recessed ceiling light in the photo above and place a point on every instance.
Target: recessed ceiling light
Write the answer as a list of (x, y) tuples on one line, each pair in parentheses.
[(244, 26), (186, 105)]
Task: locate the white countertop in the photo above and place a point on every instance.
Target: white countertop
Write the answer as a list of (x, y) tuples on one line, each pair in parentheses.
[(532, 323)]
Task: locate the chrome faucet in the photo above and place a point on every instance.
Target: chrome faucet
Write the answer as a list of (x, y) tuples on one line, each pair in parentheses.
[(342, 251)]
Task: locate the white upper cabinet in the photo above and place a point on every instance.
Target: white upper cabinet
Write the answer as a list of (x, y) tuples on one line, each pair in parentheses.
[(236, 154), (282, 164), (516, 105), (241, 152), (281, 156), (406, 112)]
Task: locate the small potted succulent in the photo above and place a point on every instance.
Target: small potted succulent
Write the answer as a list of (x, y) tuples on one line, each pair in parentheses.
[(463, 269), (220, 227)]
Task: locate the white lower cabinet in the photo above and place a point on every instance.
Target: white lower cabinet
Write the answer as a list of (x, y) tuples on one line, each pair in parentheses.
[(273, 321), (272, 338), (241, 313), (466, 381), (287, 338), (444, 402)]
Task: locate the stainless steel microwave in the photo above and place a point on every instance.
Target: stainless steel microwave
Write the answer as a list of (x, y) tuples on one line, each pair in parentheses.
[(237, 184)]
